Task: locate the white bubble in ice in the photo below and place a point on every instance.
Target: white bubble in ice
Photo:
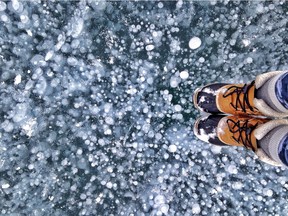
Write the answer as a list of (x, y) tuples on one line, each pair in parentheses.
[(49, 55), (160, 5), (184, 74), (109, 120), (172, 148), (159, 199), (174, 82), (267, 192), (5, 186), (24, 18), (149, 47), (15, 5), (4, 18), (109, 185), (2, 6), (99, 5), (17, 79), (38, 60), (29, 127), (216, 149), (177, 108), (232, 169), (29, 32), (246, 42), (195, 43), (196, 208), (201, 59), (77, 27), (164, 209), (20, 112), (72, 61), (249, 60)]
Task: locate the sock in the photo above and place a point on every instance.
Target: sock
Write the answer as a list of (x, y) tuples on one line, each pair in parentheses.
[(275, 143), (275, 92)]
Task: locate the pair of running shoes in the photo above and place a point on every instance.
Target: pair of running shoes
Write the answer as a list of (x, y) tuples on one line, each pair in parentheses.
[(251, 115)]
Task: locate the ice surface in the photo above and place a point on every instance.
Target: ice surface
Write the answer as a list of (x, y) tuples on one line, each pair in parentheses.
[(96, 106)]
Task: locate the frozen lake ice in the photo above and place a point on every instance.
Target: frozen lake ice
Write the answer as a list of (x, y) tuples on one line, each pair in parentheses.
[(96, 106)]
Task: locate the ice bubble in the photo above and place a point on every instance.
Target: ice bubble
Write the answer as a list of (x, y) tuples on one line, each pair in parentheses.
[(109, 120), (160, 5), (216, 149), (5, 186), (249, 60), (149, 47), (77, 27), (2, 6), (259, 8), (61, 40), (29, 32), (267, 192), (31, 166), (237, 185), (15, 4), (17, 79), (72, 61), (172, 148), (29, 127), (232, 169), (20, 112), (109, 185), (79, 151), (7, 126), (49, 55), (201, 59), (24, 18), (177, 108), (83, 196), (195, 43), (246, 42), (196, 208), (41, 86), (159, 199), (99, 5), (174, 82), (164, 209), (184, 74), (38, 60), (4, 18)]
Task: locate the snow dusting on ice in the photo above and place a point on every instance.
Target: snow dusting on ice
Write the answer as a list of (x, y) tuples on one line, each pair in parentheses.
[(96, 106)]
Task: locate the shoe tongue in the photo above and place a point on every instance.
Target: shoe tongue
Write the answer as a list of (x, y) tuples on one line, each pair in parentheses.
[(238, 131)]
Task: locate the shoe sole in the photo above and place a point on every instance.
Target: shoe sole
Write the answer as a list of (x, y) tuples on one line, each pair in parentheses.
[(195, 97), (195, 130)]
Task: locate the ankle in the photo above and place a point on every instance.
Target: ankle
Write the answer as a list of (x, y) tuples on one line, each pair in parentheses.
[(275, 92)]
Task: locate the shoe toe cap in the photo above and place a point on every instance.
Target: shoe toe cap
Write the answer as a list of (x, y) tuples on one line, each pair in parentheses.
[(205, 129), (205, 98)]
